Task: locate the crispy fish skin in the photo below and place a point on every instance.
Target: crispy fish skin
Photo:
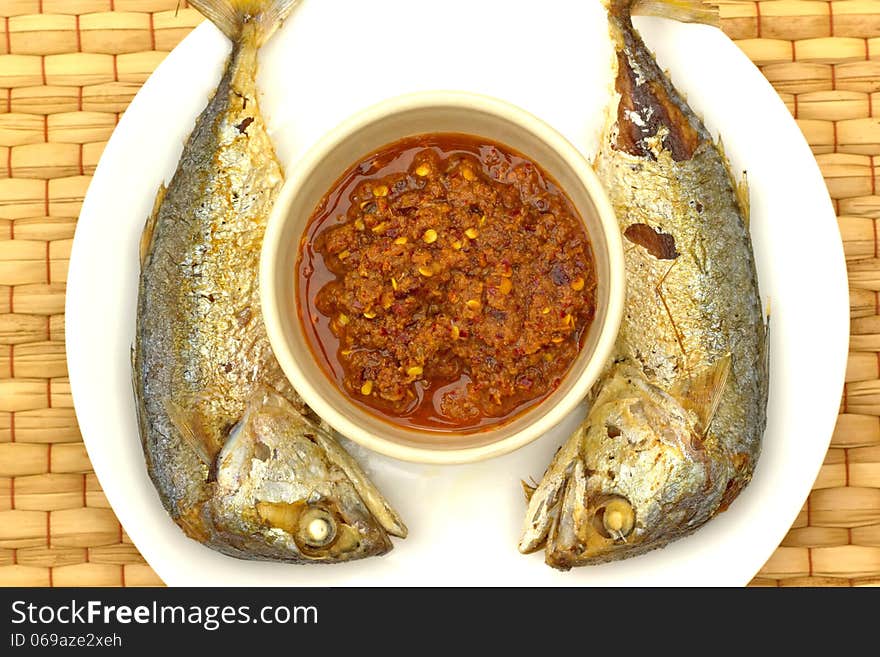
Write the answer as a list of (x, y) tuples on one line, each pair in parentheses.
[(675, 426), (235, 460)]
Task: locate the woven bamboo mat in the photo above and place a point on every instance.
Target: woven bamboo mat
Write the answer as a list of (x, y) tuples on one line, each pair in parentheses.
[(69, 68)]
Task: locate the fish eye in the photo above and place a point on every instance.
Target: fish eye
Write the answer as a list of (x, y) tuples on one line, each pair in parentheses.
[(313, 528), (317, 528), (615, 518)]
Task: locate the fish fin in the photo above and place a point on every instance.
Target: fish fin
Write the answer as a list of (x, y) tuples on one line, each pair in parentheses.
[(740, 186), (528, 490), (765, 344), (686, 11), (150, 225), (189, 423), (701, 393), (374, 500), (231, 15), (140, 411), (742, 196)]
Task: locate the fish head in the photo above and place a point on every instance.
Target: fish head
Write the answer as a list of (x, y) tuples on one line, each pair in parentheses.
[(282, 492), (645, 475)]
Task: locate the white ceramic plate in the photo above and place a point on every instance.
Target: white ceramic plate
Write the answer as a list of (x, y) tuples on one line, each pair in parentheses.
[(552, 58)]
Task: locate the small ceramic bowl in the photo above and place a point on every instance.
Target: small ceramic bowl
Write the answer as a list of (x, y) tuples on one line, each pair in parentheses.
[(313, 177)]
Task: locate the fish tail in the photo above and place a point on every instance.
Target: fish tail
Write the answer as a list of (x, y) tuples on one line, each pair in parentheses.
[(230, 16), (686, 11)]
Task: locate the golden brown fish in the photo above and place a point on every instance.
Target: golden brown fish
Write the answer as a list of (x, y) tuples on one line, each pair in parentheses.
[(675, 424), (236, 462)]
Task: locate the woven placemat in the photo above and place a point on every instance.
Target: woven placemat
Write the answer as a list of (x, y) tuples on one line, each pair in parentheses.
[(68, 68)]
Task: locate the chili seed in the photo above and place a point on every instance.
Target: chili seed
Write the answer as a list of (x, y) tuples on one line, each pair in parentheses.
[(577, 284), (367, 388), (426, 272), (473, 304), (400, 240), (359, 223), (342, 319), (422, 170), (369, 314), (344, 254), (468, 173), (506, 286), (430, 236), (472, 233), (456, 245), (393, 283), (380, 190), (415, 370)]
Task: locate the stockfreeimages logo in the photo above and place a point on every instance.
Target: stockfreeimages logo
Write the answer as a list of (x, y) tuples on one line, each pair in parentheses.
[(210, 617)]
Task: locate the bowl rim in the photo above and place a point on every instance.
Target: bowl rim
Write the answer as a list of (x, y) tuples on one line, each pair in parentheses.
[(606, 218)]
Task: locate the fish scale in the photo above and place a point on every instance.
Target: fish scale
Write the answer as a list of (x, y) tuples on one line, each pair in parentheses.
[(675, 426)]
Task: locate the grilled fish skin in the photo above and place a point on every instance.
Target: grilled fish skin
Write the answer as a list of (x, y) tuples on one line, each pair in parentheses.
[(231, 448), (675, 425)]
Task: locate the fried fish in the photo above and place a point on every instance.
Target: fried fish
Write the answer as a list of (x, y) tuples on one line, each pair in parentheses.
[(237, 459), (676, 420)]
